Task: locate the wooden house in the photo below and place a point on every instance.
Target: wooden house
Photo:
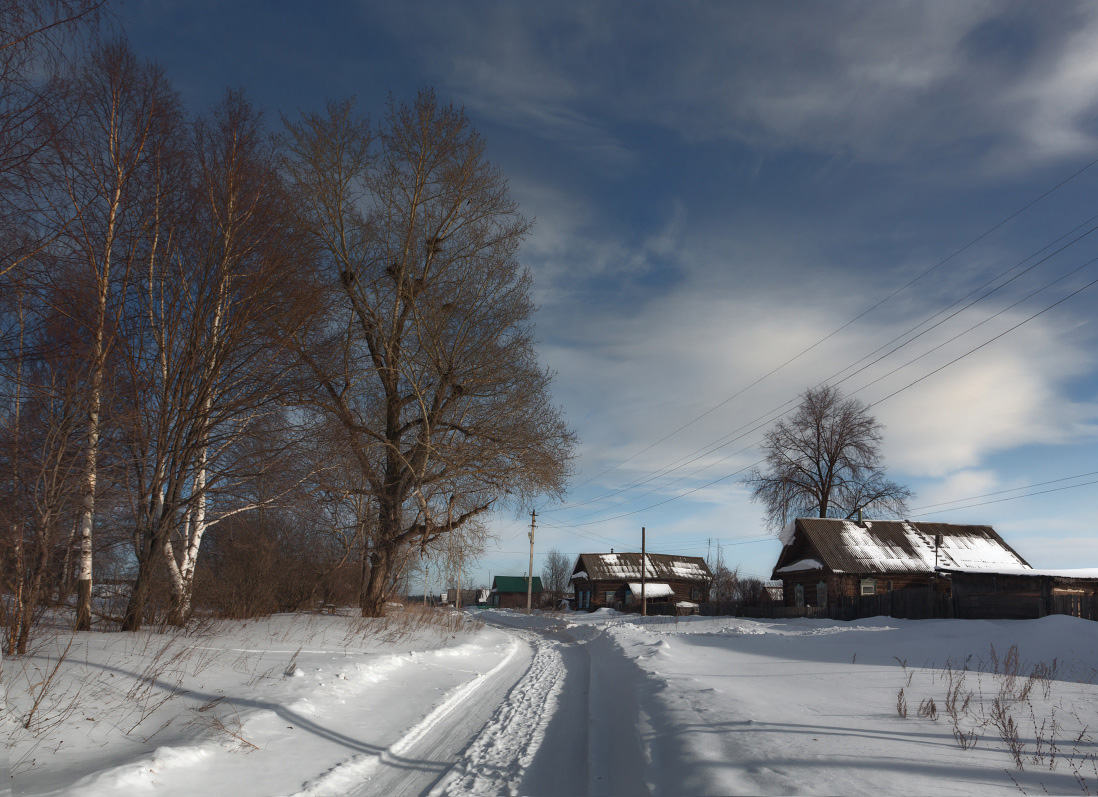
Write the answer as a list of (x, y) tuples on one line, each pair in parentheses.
[(826, 561), (613, 580), (509, 592)]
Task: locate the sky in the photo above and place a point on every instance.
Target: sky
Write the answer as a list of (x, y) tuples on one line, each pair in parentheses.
[(734, 202)]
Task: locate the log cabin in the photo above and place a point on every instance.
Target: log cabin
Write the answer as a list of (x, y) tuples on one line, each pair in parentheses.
[(826, 561), (613, 580)]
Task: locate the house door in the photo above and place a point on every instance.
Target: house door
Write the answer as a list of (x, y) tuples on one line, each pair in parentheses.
[(821, 594)]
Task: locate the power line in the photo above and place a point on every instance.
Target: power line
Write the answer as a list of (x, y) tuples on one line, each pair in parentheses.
[(712, 447), (882, 400), (1003, 492), (1011, 498), (697, 454), (834, 332)]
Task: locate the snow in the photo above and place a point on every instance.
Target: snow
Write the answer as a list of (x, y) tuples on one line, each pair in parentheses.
[(1084, 572), (788, 532), (801, 564), (581, 574), (919, 554), (552, 703), (655, 589), (616, 568)]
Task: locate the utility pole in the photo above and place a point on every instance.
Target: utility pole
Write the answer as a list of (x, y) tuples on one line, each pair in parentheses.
[(425, 568), (644, 576), (530, 572)]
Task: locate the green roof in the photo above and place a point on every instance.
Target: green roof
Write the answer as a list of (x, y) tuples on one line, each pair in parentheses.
[(514, 583)]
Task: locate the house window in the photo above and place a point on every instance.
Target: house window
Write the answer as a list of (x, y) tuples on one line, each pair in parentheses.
[(821, 594), (798, 592), (869, 586), (609, 596), (695, 594), (888, 585)]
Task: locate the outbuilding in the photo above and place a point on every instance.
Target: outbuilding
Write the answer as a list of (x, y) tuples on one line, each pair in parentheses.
[(509, 592)]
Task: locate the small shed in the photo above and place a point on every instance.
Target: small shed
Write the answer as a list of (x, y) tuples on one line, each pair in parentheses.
[(509, 592), (613, 580), (1023, 592)]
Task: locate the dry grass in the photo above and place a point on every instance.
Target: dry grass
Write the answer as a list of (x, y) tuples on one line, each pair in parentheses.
[(141, 682), (1018, 709)]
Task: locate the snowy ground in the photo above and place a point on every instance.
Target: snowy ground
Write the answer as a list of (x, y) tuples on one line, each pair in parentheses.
[(575, 704)]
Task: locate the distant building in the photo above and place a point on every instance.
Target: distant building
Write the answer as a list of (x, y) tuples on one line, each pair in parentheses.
[(468, 597), (509, 592), (613, 580)]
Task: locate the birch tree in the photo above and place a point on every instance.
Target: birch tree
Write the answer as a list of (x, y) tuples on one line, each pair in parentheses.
[(424, 354), (107, 144), (203, 364)]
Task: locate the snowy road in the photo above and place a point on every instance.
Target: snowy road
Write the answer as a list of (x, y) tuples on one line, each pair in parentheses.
[(529, 726), (572, 725), (596, 704)]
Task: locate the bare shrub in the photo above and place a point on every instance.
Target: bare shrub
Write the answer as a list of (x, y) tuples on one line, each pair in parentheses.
[(901, 704), (928, 709), (1003, 722)]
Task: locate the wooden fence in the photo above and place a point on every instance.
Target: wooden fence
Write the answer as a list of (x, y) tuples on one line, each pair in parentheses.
[(919, 604)]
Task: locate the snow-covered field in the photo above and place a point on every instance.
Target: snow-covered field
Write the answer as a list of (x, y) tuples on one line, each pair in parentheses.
[(576, 704)]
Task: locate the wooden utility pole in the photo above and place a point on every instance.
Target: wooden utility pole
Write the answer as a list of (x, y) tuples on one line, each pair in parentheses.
[(530, 572), (644, 576)]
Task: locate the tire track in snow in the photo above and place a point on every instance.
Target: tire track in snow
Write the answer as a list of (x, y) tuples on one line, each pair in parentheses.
[(346, 777), (495, 761)]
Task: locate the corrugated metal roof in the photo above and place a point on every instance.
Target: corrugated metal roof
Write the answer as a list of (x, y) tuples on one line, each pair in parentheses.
[(902, 546), (627, 567)]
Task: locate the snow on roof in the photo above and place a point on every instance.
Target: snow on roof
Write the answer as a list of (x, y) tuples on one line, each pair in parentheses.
[(580, 574), (627, 567), (652, 589), (788, 532), (1084, 572), (902, 546), (801, 564), (686, 605)]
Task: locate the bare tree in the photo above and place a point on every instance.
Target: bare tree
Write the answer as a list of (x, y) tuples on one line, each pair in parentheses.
[(425, 352), (35, 39), (202, 362), (554, 575), (723, 586), (825, 461), (105, 149)]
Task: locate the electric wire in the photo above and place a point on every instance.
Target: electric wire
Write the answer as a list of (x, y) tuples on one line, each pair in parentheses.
[(861, 315), (716, 445)]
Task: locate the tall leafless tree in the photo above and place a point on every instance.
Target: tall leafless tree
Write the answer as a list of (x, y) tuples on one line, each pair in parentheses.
[(202, 362), (554, 575), (425, 352), (107, 144), (825, 461)]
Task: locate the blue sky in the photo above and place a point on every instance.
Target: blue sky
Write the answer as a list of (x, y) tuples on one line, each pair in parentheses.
[(716, 188)]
